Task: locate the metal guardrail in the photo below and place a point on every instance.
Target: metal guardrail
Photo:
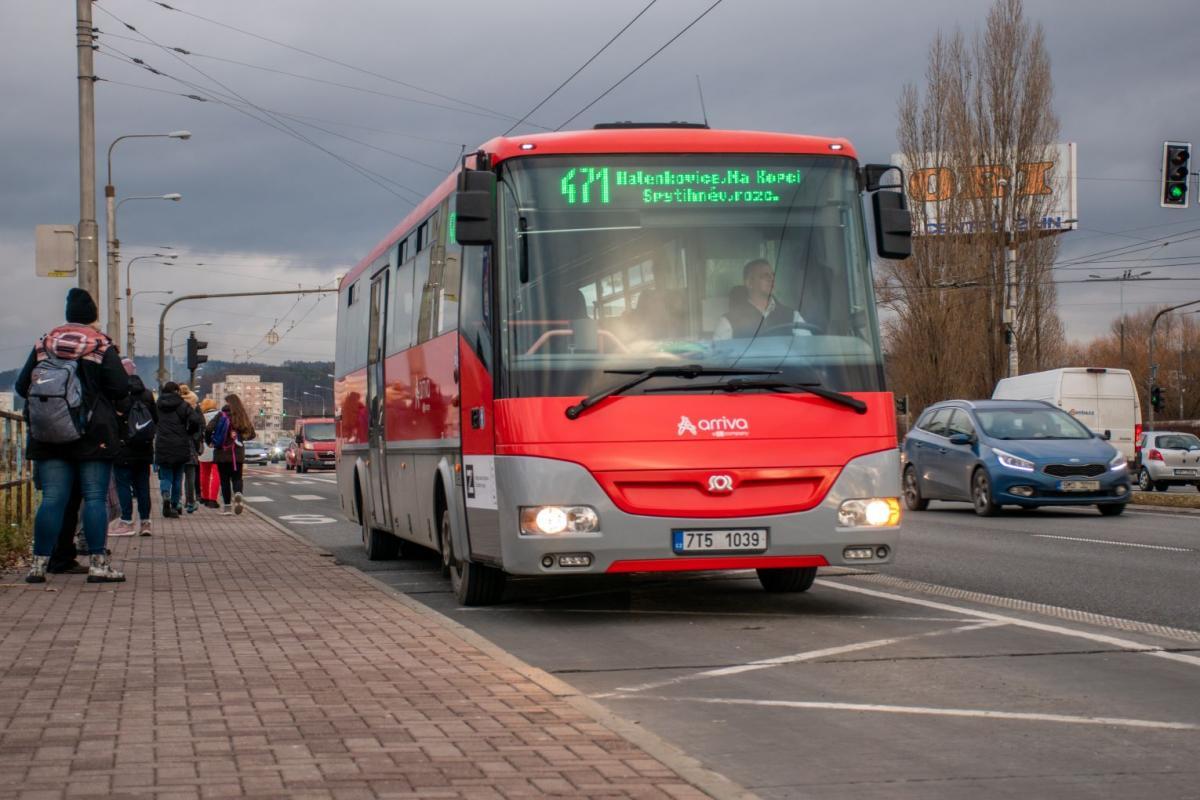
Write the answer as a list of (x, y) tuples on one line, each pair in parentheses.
[(16, 474)]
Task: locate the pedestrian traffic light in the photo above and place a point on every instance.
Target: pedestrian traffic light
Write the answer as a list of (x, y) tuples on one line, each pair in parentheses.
[(194, 357), (1176, 170), (1157, 400)]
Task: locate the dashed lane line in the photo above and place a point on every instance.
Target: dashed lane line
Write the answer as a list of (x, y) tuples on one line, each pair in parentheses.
[(258, 498), (308, 497), (1117, 544), (811, 655), (1126, 644), (979, 713)]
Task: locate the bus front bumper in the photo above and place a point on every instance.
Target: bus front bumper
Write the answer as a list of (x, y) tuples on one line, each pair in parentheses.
[(627, 542)]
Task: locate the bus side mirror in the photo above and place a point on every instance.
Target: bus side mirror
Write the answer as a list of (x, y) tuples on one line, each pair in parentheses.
[(475, 207), (893, 225)]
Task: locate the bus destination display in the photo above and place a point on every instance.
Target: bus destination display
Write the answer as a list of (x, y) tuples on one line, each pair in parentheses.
[(628, 187)]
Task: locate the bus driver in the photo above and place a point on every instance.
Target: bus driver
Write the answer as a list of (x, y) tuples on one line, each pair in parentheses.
[(754, 312)]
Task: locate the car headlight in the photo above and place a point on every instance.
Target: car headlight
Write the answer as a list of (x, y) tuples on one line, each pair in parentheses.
[(542, 520), (872, 512), (1013, 462), (1118, 463)]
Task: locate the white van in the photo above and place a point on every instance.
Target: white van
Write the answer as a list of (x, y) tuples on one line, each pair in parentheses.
[(1102, 399)]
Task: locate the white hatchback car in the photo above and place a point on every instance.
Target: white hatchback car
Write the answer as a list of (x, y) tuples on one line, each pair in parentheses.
[(1168, 458)]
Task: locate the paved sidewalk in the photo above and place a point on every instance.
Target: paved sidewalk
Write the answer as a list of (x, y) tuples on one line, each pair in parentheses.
[(238, 660)]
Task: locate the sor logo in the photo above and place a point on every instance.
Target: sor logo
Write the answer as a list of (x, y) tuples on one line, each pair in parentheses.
[(720, 484), (717, 426)]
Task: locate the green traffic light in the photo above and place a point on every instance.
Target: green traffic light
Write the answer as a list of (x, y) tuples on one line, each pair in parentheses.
[(1177, 192)]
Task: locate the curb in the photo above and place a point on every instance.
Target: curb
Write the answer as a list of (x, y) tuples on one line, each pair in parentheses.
[(688, 768)]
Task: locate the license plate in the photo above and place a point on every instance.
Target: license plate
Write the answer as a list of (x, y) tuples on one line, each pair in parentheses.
[(1079, 486), (736, 540), (1188, 472)]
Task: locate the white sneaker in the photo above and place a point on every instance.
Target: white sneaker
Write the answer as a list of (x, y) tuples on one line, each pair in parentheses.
[(121, 528), (226, 511), (145, 528), (237, 503)]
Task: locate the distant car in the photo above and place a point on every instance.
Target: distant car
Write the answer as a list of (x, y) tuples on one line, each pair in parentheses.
[(1166, 459), (1025, 453), (278, 450), (315, 445), (256, 454)]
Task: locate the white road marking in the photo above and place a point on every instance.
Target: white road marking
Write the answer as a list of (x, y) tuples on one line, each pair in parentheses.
[(928, 711), (1125, 644), (300, 482), (655, 612), (307, 519), (811, 655), (1118, 544), (307, 497), (258, 498)]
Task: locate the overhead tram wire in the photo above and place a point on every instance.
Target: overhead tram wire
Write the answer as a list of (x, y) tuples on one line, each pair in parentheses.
[(192, 53), (570, 78), (215, 96), (271, 121), (331, 60), (647, 60), (1129, 249)]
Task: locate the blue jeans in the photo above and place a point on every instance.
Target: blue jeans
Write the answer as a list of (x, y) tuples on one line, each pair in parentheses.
[(170, 482), (58, 477), (132, 481)]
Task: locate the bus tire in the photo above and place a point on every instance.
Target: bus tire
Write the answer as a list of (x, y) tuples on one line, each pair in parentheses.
[(474, 584), (791, 579), (379, 545)]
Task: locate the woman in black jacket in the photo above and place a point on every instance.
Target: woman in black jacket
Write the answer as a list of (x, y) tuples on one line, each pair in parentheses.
[(173, 447), (86, 461), (229, 452), (131, 470)]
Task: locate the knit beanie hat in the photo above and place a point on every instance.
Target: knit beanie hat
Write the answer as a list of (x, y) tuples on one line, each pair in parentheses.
[(208, 404), (81, 308)]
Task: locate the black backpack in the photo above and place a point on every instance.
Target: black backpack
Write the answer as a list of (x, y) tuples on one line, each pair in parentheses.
[(141, 423)]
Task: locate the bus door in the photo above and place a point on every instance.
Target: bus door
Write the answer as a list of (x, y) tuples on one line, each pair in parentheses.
[(377, 401)]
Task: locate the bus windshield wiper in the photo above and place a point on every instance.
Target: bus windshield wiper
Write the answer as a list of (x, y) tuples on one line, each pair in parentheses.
[(641, 376), (775, 386)]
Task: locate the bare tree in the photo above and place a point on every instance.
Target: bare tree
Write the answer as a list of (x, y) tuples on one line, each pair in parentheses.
[(977, 141)]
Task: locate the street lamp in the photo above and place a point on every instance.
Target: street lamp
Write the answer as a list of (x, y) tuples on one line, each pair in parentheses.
[(129, 335), (1127, 275), (114, 244), (322, 396), (171, 339), (1154, 366)]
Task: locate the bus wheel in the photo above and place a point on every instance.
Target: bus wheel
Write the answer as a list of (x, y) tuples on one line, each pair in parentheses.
[(474, 584), (380, 545), (792, 579)]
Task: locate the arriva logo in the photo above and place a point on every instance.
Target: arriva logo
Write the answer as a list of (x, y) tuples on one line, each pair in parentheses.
[(717, 426)]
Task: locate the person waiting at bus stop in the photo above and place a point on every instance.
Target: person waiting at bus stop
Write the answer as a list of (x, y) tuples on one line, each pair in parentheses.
[(226, 433), (755, 311)]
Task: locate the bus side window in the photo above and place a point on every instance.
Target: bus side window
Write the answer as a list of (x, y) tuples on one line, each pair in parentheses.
[(475, 299), (401, 308), (428, 274)]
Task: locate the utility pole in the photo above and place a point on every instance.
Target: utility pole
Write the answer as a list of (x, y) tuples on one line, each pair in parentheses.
[(162, 319), (88, 254), (1010, 312)]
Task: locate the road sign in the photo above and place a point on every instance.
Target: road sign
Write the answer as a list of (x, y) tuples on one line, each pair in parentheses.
[(55, 256)]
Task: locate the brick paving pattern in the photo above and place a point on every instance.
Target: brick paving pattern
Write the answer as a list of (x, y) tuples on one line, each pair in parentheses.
[(237, 661)]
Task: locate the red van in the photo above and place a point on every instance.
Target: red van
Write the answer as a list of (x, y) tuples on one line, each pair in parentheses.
[(314, 446)]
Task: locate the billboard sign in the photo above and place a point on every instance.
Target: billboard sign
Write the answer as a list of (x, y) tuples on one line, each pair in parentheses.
[(934, 184)]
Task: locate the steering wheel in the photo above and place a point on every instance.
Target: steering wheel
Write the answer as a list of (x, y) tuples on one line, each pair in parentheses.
[(790, 327)]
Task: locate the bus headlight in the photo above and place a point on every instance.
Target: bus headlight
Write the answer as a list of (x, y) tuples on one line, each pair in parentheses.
[(542, 520), (874, 512)]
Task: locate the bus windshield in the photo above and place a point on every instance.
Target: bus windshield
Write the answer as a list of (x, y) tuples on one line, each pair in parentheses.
[(620, 262)]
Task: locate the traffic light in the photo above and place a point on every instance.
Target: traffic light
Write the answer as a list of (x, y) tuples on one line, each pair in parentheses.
[(1176, 170), (1157, 400), (194, 357)]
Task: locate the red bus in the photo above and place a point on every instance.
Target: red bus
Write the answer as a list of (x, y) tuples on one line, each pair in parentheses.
[(639, 348)]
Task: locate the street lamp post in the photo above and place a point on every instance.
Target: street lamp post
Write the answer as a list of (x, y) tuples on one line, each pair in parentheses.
[(129, 334), (323, 390), (114, 245), (1127, 275), (321, 396)]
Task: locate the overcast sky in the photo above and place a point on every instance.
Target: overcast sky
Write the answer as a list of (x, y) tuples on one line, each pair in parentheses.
[(263, 210)]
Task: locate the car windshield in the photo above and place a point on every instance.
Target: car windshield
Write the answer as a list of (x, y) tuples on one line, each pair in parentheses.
[(633, 262), (1030, 423), (319, 432), (1179, 441)]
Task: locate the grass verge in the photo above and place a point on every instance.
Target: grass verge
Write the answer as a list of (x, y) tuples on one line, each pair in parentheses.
[(1167, 499), (15, 537)]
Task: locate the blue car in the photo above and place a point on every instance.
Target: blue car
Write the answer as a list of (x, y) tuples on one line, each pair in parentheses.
[(1025, 453)]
